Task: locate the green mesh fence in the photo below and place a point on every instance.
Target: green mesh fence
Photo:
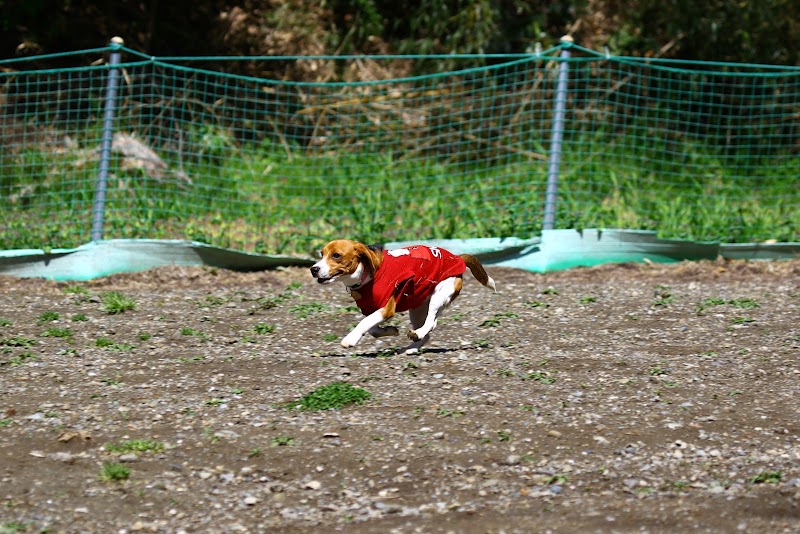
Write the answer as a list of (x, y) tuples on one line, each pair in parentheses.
[(694, 150)]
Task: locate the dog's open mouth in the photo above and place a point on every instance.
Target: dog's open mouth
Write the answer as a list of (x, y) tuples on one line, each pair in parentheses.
[(325, 280)]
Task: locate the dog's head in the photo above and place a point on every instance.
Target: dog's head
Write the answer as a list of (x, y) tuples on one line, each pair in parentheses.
[(349, 261)]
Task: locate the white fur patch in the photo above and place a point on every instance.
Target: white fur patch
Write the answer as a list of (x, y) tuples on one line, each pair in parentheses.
[(399, 252)]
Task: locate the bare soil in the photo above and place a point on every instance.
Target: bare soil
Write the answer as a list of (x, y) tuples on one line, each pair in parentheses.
[(627, 398)]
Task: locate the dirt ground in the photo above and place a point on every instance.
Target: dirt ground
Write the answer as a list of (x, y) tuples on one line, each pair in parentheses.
[(628, 398)]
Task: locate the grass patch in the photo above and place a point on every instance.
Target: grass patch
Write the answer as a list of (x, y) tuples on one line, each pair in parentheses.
[(263, 328), (301, 311), (115, 302), (57, 332), (497, 318), (281, 441), (20, 359), (18, 341), (767, 477), (281, 196), (540, 376), (106, 343), (135, 445), (48, 317), (331, 397), (114, 472), (187, 331)]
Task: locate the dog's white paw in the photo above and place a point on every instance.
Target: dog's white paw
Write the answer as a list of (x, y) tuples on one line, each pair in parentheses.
[(350, 340), (412, 335)]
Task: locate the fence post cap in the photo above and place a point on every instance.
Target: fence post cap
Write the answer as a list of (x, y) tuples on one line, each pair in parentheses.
[(567, 40), (117, 41)]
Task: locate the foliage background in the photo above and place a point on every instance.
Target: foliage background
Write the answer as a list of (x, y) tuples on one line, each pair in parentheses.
[(760, 31)]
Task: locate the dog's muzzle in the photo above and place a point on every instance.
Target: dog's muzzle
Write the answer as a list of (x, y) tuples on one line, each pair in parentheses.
[(320, 279)]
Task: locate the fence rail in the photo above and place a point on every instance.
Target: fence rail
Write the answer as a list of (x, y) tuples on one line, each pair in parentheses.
[(118, 144)]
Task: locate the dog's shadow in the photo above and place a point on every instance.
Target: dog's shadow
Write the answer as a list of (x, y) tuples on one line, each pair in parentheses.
[(394, 351)]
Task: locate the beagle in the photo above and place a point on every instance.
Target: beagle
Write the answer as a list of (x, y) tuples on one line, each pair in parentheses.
[(420, 279)]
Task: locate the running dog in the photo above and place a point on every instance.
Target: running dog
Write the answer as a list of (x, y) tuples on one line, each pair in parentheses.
[(419, 279)]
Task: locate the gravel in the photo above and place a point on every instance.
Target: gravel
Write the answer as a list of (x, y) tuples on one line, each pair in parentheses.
[(627, 398)]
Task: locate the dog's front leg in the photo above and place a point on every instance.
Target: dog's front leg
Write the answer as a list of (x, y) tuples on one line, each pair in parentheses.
[(368, 323)]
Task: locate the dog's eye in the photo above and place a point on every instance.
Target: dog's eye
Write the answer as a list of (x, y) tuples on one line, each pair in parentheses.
[(336, 255)]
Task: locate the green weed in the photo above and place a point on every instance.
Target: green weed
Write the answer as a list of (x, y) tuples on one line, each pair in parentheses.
[(48, 317), (302, 311), (663, 296), (135, 445), (263, 328), (540, 376), (504, 435), (57, 332), (443, 412), (106, 343), (20, 359), (767, 477), (13, 526), (536, 304), (497, 318), (114, 472), (281, 441), (115, 302), (333, 396), (744, 303), (18, 341), (76, 290)]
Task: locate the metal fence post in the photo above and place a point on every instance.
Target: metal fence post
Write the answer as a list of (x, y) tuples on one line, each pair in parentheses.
[(556, 138), (99, 208)]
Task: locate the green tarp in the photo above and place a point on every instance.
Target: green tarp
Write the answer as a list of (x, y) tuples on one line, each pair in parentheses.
[(554, 250)]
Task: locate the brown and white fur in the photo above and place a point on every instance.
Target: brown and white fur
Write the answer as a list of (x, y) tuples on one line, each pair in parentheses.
[(355, 264)]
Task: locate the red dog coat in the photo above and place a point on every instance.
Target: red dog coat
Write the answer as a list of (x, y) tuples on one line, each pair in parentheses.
[(416, 270)]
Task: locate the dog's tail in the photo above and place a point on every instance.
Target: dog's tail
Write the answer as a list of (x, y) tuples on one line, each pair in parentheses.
[(478, 271)]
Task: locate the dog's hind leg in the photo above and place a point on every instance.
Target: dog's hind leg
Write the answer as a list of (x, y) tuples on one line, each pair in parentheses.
[(446, 292), (417, 317)]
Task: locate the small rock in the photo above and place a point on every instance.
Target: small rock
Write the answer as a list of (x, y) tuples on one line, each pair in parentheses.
[(250, 500), (513, 459), (388, 508), (554, 433), (313, 485)]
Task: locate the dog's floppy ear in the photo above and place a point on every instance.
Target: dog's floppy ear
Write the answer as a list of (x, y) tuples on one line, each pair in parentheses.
[(370, 256)]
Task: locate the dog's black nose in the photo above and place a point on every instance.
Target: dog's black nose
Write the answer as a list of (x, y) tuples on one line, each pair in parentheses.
[(314, 271)]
